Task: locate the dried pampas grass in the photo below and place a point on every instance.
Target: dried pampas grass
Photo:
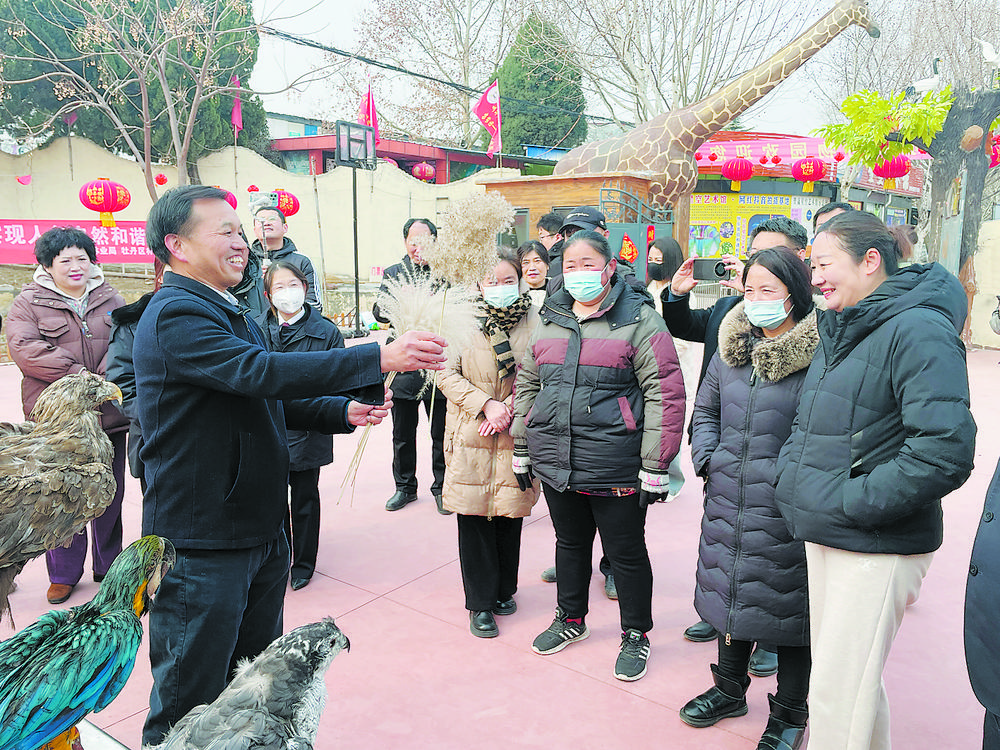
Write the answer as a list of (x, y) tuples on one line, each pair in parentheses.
[(423, 305), (466, 247)]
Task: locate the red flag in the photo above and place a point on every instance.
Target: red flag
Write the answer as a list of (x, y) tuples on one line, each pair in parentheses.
[(367, 114), (488, 112), (237, 116)]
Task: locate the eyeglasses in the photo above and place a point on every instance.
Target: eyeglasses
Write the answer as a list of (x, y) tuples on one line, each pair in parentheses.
[(546, 236)]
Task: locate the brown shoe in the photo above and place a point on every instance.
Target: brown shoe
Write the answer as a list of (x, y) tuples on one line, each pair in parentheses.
[(58, 593)]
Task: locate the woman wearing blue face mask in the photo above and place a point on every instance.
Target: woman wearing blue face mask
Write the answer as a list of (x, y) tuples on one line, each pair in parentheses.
[(751, 580), (479, 482), (599, 412)]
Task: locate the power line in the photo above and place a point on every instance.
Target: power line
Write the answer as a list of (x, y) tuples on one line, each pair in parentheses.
[(543, 108)]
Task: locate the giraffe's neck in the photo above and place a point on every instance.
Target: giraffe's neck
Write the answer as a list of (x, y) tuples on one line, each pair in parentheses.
[(719, 109)]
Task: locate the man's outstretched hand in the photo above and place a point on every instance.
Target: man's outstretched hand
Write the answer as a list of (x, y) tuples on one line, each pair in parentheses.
[(361, 415), (414, 350)]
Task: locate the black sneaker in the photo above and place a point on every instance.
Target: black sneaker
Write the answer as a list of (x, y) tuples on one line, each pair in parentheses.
[(559, 635), (631, 664)]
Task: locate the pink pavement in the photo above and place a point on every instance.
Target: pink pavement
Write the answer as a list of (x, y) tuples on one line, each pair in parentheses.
[(416, 678)]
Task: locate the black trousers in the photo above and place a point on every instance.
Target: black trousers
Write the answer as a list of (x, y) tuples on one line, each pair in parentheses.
[(622, 525), (489, 550), (405, 414), (302, 523), (794, 664), (213, 608), (991, 731)]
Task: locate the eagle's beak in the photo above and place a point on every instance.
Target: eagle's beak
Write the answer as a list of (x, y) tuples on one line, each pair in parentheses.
[(116, 394)]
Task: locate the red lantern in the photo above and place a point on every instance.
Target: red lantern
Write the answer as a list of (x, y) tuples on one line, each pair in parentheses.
[(808, 171), (898, 166), (995, 157), (105, 196), (776, 159), (840, 156), (737, 170), (763, 160), (253, 189), (230, 198), (713, 156), (697, 155), (423, 171), (160, 179), (288, 204)]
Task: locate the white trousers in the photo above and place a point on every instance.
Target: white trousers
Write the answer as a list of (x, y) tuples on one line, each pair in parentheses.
[(856, 604)]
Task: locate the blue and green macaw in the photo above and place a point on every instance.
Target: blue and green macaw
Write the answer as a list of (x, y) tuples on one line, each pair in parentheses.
[(72, 662)]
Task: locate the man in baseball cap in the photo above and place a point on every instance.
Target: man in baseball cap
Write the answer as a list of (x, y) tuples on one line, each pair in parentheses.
[(584, 217)]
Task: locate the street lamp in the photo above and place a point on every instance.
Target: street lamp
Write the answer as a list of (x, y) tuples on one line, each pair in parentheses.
[(355, 149)]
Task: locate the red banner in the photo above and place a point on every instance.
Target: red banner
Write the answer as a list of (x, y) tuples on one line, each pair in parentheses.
[(488, 112), (368, 115), (125, 243)]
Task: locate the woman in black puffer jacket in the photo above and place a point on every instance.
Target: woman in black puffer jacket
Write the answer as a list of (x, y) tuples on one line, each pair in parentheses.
[(883, 432), (751, 582)]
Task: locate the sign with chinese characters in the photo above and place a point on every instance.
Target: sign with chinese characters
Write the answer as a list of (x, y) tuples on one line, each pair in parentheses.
[(721, 222), (125, 243)]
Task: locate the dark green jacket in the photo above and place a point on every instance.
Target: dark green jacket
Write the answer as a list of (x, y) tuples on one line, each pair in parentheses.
[(883, 429)]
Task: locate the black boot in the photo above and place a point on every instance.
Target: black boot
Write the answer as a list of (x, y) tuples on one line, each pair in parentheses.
[(723, 701), (786, 727)]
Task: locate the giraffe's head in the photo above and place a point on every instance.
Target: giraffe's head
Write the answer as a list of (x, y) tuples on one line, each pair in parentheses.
[(858, 12)]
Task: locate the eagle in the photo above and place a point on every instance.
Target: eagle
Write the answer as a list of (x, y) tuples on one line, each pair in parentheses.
[(71, 662), (55, 472), (274, 702)]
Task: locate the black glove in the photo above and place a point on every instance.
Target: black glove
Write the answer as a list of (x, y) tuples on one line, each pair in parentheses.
[(654, 487), (522, 468)]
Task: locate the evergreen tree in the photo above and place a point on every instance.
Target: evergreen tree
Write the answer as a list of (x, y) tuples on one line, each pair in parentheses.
[(541, 68)]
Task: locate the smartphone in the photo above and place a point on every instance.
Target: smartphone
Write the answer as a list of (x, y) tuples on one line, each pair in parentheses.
[(709, 269)]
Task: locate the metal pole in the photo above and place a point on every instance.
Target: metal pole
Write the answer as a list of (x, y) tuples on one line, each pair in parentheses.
[(321, 292), (357, 273)]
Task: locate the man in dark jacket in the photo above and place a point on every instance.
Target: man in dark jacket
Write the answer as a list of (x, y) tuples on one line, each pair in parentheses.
[(215, 454), (270, 227), (410, 390), (703, 326)]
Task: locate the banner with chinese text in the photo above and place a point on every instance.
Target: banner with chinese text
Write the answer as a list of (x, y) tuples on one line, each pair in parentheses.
[(720, 222), (125, 243)]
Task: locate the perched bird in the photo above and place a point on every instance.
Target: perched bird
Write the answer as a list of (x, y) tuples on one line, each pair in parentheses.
[(274, 702), (55, 472), (927, 84), (72, 662), (990, 53)]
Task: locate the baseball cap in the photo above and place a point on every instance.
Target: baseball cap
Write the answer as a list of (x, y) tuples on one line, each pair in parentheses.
[(584, 217)]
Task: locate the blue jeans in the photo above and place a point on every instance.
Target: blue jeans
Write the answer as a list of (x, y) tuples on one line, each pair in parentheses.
[(214, 608)]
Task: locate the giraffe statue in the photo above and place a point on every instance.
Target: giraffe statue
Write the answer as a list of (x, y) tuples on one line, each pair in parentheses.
[(665, 145)]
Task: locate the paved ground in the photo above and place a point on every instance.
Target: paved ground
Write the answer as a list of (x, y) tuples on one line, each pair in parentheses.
[(416, 678)]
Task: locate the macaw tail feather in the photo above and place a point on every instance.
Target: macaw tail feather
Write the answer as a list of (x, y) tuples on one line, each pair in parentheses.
[(68, 740)]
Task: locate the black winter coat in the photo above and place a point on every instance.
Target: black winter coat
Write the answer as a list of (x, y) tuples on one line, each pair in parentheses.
[(751, 581), (215, 454), (883, 430), (307, 449), (121, 372), (700, 325), (406, 386), (982, 605)]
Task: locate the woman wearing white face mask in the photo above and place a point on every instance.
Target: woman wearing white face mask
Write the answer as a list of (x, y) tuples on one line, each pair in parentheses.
[(598, 416), (751, 578), (479, 482), (293, 326)]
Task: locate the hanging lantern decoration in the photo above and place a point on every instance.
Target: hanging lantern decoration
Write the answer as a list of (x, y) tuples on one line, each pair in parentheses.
[(230, 198), (697, 155), (713, 156), (995, 157), (763, 160), (105, 196), (776, 159), (898, 166), (160, 179), (808, 171), (738, 170), (253, 189), (423, 171), (840, 156), (387, 160), (288, 204)]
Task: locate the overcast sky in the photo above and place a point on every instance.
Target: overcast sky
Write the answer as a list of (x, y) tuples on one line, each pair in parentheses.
[(788, 109)]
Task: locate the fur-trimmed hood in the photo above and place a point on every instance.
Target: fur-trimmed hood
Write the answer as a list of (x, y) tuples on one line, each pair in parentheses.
[(772, 359)]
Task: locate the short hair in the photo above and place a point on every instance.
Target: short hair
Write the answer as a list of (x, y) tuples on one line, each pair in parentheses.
[(507, 255), (673, 256), (595, 239), (795, 232), (832, 206), (859, 231), (284, 219), (57, 239), (171, 214), (283, 265), (426, 222), (785, 263), (533, 246), (550, 222)]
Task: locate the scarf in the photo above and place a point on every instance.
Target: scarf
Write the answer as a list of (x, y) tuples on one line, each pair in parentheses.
[(497, 324)]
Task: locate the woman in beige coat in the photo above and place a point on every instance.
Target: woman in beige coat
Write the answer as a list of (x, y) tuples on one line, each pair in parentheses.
[(479, 483)]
